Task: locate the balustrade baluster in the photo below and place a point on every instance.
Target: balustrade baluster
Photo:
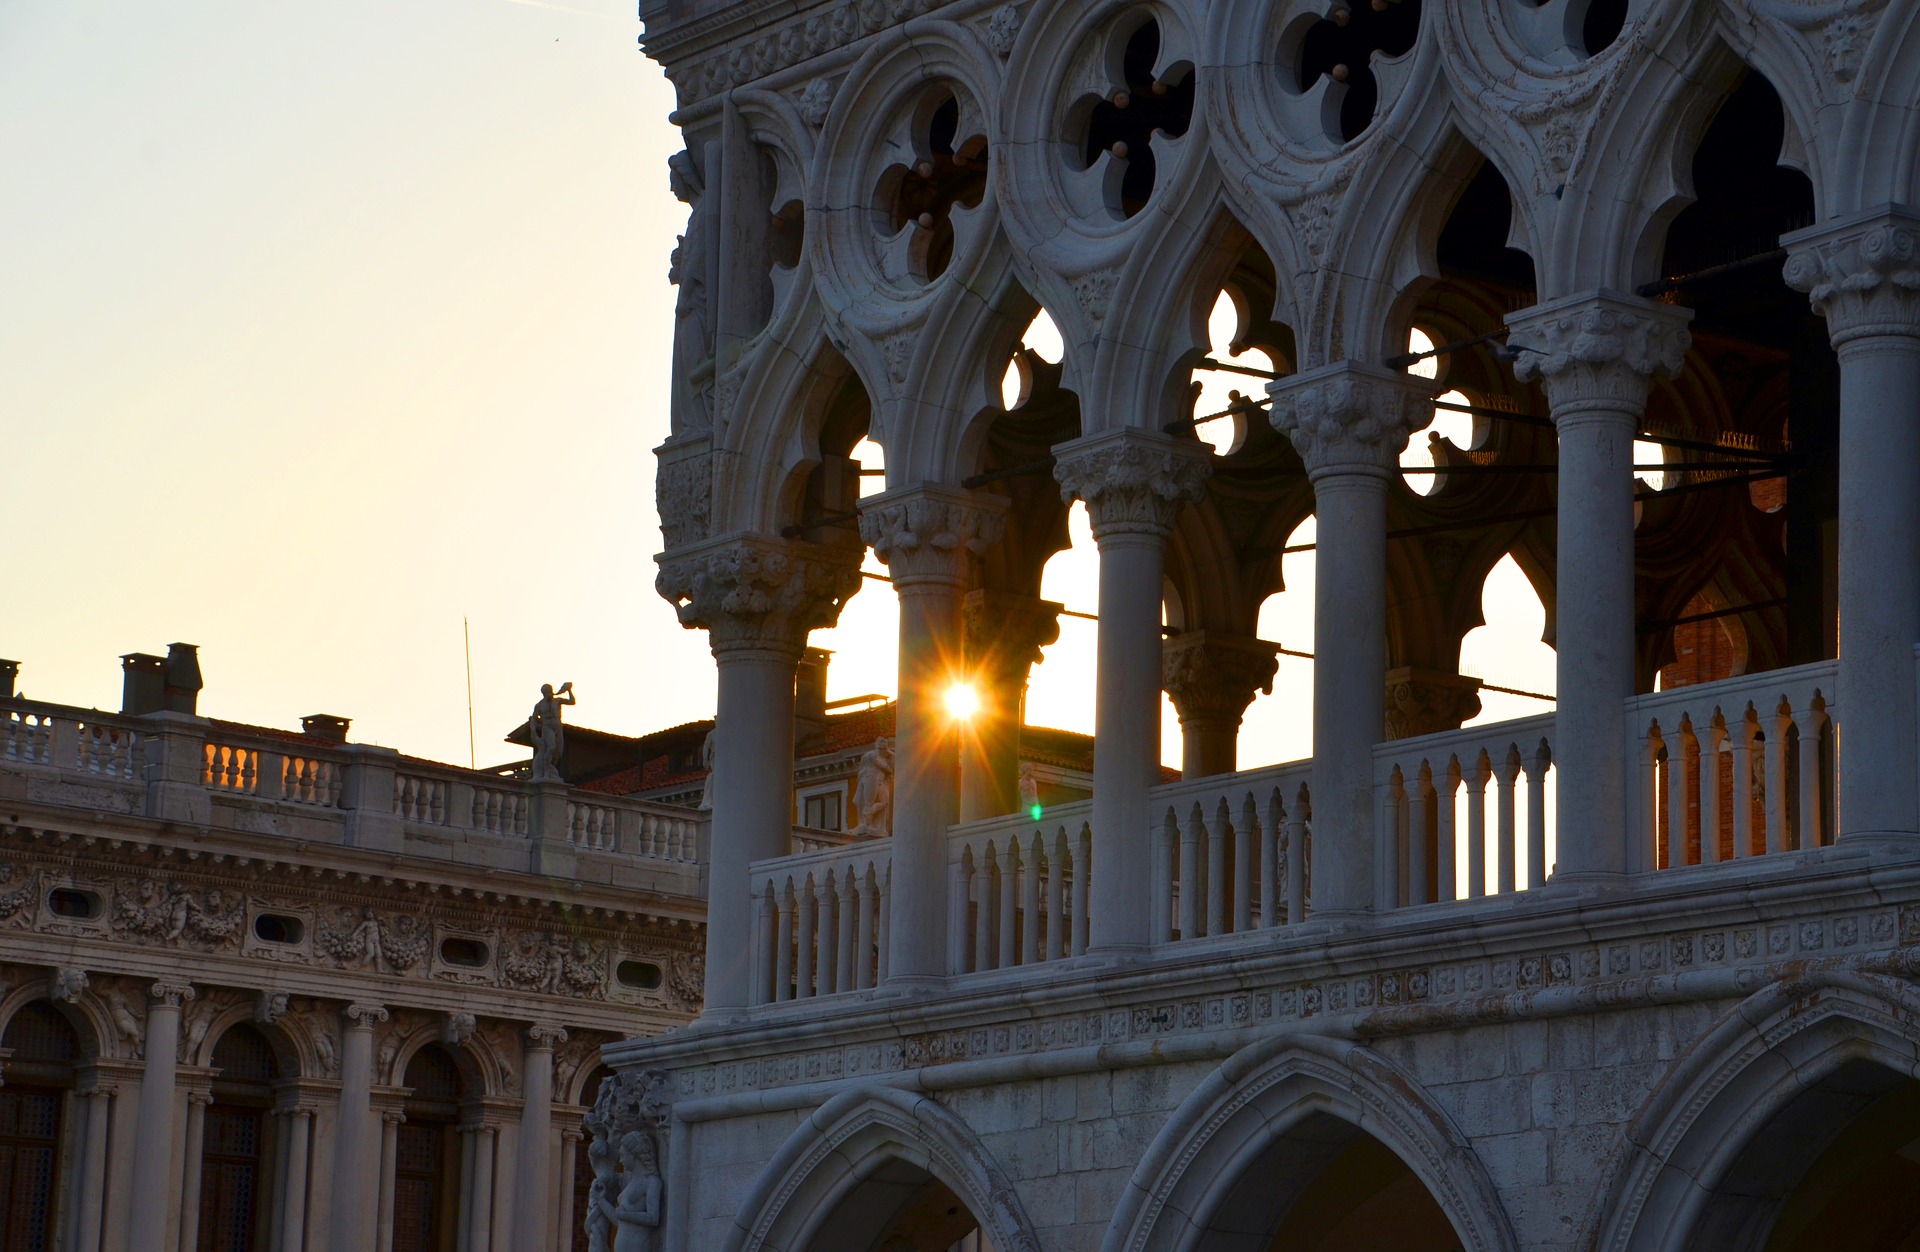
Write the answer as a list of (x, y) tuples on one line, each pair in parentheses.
[(763, 940), (1777, 777), (1418, 807), (1504, 780), (1056, 897), (1166, 845), (1446, 788), (1536, 764), (1244, 833), (863, 935), (984, 896), (886, 918), (783, 943), (1297, 858), (1031, 855), (1678, 853), (1082, 868), (1217, 837), (1808, 827), (1712, 817), (1743, 733), (1009, 903), (1389, 855), (1189, 885), (845, 907), (803, 939), (824, 932), (959, 925), (1477, 780)]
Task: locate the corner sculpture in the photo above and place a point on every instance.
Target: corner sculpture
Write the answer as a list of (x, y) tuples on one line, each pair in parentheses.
[(873, 791), (626, 1202), (546, 733)]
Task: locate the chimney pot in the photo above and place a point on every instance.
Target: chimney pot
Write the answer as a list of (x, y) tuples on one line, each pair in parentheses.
[(9, 671), (326, 727), (143, 684), (810, 693), (183, 680)]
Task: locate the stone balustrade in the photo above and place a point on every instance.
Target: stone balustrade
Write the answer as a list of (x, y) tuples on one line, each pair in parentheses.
[(821, 921), (1019, 889), (186, 769), (1733, 769), (1225, 849), (1423, 785)]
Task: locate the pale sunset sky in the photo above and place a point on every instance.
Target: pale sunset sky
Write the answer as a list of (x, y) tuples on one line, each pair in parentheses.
[(325, 325)]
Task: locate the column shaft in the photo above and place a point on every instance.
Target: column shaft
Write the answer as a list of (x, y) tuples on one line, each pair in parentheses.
[(533, 1172), (480, 1228), (752, 806), (293, 1177), (93, 1172), (926, 786), (353, 1137), (389, 1137), (190, 1182), (1126, 737), (153, 1134)]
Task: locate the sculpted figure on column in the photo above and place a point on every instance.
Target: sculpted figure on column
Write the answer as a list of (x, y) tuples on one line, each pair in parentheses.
[(1349, 422)]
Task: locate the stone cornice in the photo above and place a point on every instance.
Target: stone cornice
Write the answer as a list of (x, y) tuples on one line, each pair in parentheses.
[(1861, 273), (753, 593), (1599, 350), (931, 533), (1134, 482), (1350, 417)]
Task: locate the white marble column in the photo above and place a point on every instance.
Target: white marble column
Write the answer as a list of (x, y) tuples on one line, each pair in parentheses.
[(353, 1138), (293, 1178), (533, 1176), (1596, 354), (927, 537), (1005, 633), (1134, 483), (197, 1102), (480, 1222), (91, 1188), (757, 598), (1863, 275), (1349, 422), (154, 1148), (1212, 678)]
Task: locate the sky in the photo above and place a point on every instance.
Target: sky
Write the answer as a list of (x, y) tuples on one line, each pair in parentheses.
[(326, 329)]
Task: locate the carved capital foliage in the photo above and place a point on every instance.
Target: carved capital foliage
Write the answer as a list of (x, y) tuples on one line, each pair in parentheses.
[(927, 534), (748, 591), (365, 1016), (1862, 274), (1598, 350), (1426, 702), (1350, 417), (1213, 676), (1133, 481), (1005, 633)]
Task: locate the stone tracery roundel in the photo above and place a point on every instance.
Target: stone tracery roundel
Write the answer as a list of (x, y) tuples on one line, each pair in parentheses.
[(901, 186)]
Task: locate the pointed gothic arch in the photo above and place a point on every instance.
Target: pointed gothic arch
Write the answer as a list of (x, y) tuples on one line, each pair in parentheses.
[(1189, 1191), (1751, 1106), (867, 1136)]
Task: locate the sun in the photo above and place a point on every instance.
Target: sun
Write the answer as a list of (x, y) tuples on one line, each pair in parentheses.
[(962, 701)]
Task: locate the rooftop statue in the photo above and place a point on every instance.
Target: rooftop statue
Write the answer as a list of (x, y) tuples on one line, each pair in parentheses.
[(546, 733), (873, 791)]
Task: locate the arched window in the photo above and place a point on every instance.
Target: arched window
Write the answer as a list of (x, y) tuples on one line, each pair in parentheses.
[(427, 1154), (233, 1154), (39, 1077)]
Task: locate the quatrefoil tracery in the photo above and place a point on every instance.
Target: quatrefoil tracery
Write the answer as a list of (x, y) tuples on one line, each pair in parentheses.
[(1341, 47), (922, 199), (1145, 105)]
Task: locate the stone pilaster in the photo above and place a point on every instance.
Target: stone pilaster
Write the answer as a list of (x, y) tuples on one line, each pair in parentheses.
[(928, 537), (1134, 483), (1862, 273), (1596, 354), (757, 598), (1212, 678), (1349, 422), (1427, 702)]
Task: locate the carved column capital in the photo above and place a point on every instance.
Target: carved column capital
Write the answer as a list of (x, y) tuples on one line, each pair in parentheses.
[(545, 1038), (1212, 676), (1133, 481), (1006, 631), (1350, 417), (1598, 350), (170, 994), (751, 592), (365, 1016), (1861, 273), (930, 534), (1426, 702)]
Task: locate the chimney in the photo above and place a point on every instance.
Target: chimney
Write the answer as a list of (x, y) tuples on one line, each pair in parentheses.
[(143, 684), (9, 670), (325, 727), (810, 694), (183, 678)]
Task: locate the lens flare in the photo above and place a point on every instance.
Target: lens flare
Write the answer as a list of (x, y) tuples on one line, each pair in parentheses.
[(962, 701)]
